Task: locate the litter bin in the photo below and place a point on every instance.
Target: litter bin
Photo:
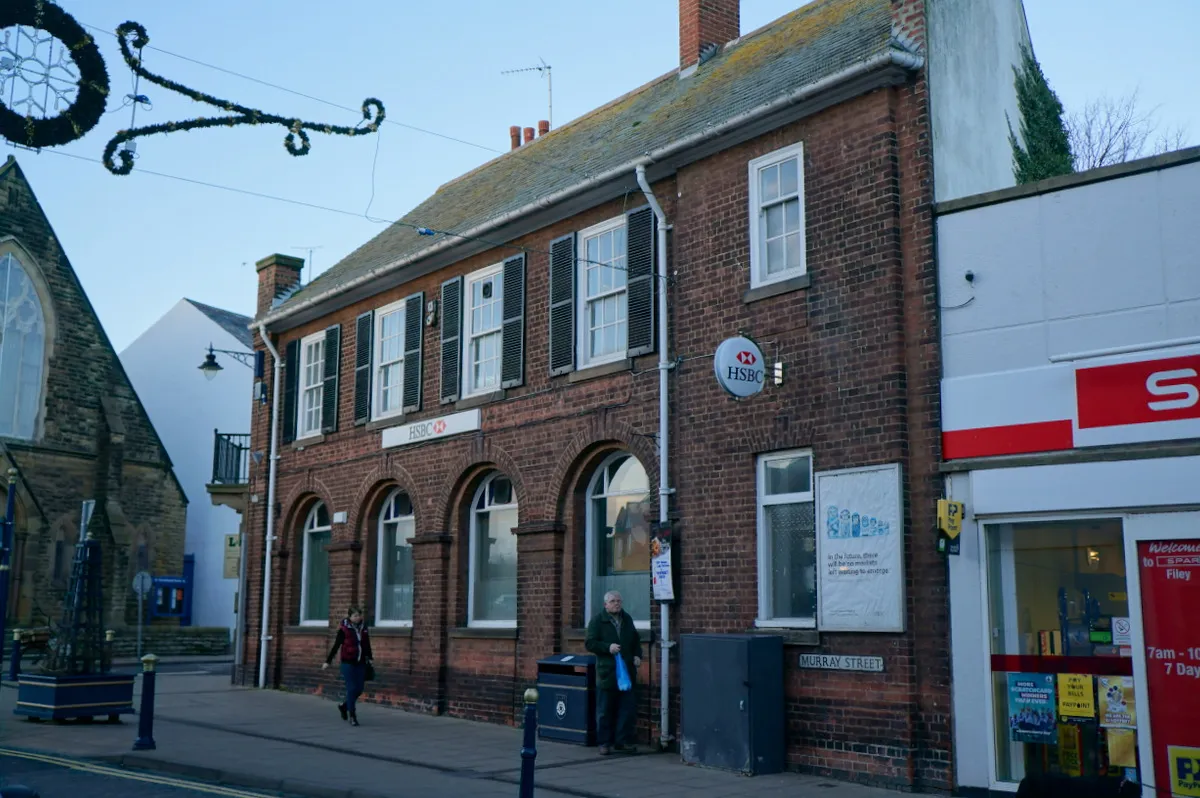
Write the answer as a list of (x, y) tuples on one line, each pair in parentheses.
[(567, 698)]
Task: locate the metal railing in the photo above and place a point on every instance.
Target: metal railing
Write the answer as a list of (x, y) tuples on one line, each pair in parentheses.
[(231, 458)]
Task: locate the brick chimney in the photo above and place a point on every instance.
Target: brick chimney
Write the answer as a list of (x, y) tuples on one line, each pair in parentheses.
[(276, 275), (514, 134), (528, 135), (706, 22), (543, 127)]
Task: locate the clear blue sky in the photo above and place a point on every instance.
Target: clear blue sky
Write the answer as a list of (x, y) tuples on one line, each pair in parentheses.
[(140, 243)]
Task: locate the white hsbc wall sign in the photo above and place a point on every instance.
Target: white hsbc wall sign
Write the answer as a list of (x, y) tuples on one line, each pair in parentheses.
[(738, 364), (431, 429)]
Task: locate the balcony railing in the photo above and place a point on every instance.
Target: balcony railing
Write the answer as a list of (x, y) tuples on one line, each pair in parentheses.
[(231, 458)]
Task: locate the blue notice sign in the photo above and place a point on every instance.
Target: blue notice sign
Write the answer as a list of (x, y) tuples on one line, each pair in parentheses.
[(1032, 708)]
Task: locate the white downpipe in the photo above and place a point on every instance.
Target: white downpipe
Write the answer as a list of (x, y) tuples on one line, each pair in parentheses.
[(270, 536), (664, 490)]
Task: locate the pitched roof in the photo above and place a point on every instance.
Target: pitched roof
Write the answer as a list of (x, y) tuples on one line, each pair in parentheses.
[(815, 42), (235, 324)]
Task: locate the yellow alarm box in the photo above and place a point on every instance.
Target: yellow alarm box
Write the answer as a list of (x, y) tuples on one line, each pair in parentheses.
[(950, 517)]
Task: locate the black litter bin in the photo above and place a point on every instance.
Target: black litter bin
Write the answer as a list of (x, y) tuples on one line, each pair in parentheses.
[(567, 698)]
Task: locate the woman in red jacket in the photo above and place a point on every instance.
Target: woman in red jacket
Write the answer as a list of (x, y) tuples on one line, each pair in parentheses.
[(355, 643)]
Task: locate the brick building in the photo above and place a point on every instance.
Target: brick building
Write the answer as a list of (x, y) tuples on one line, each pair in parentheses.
[(74, 429), (469, 422)]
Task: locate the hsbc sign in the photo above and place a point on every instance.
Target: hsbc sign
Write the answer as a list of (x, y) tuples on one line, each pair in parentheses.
[(739, 368), (431, 429), (1138, 393)]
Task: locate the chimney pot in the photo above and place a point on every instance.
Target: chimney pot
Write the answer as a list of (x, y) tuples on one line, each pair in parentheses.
[(514, 135), (528, 135), (543, 127), (705, 22)]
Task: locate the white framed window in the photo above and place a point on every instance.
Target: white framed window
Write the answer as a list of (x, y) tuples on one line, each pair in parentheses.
[(618, 537), (777, 216), (389, 361), (312, 385), (22, 349), (314, 567), (482, 330), (603, 304), (492, 578), (787, 541), (394, 570)]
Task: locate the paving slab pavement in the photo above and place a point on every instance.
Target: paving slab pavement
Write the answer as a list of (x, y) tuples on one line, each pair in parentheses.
[(296, 743)]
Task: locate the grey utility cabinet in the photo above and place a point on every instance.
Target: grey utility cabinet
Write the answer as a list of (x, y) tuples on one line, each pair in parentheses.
[(731, 703)]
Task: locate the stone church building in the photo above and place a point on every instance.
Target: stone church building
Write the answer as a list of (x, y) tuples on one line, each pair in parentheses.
[(74, 430)]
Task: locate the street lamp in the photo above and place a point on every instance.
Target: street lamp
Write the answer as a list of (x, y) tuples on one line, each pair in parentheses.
[(211, 368)]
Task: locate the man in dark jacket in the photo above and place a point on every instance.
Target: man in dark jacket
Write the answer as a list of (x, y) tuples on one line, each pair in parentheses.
[(611, 634)]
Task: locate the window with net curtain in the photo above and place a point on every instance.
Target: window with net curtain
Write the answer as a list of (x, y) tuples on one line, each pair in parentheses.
[(314, 587), (618, 536), (493, 554), (394, 579), (787, 543), (22, 348)]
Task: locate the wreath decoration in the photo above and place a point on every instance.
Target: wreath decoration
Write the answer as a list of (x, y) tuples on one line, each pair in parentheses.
[(83, 114), (296, 141)]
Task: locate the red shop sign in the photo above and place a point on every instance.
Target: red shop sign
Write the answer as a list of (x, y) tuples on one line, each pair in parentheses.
[(1138, 393), (1170, 577)]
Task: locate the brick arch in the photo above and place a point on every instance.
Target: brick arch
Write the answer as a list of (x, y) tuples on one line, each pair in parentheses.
[(481, 453), (600, 430), (296, 505), (379, 481)]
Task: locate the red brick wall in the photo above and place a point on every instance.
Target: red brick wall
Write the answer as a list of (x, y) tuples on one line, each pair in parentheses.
[(860, 349)]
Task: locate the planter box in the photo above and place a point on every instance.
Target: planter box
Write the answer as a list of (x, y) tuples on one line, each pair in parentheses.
[(50, 697)]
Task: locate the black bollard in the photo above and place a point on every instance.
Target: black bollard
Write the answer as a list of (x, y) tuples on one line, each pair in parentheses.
[(529, 749), (145, 738), (14, 659)]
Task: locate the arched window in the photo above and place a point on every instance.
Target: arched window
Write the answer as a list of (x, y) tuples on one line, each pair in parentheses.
[(394, 571), (618, 537), (314, 567), (492, 581), (22, 347)]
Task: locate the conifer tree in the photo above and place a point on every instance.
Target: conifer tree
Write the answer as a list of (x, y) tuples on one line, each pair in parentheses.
[(1047, 149)]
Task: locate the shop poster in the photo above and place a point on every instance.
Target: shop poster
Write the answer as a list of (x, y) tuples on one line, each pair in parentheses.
[(1117, 707), (1070, 750), (661, 582), (1169, 573), (1076, 696), (860, 550), (1122, 747), (1032, 709)]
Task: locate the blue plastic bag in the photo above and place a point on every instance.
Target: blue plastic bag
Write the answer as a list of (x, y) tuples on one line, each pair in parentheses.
[(624, 683)]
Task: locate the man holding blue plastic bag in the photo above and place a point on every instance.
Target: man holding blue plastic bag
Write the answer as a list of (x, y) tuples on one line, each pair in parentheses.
[(611, 636)]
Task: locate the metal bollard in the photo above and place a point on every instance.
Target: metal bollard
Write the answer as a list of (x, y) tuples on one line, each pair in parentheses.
[(145, 738), (106, 664), (529, 749), (14, 659)]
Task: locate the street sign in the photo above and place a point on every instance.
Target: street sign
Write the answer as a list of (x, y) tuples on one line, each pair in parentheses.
[(739, 368), (233, 556), (142, 583)]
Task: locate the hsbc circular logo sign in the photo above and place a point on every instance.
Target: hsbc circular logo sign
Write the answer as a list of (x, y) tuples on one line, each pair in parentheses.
[(439, 427), (739, 367)]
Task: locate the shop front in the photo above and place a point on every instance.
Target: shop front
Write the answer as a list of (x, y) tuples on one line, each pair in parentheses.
[(1073, 606)]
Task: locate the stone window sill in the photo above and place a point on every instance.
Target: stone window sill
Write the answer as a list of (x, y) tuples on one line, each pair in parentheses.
[(775, 289), (384, 423), (314, 631), (300, 444), (391, 631), (484, 633), (471, 402), (604, 370), (580, 635)]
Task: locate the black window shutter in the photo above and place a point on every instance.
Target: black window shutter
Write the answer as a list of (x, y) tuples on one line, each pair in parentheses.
[(512, 358), (414, 317), (291, 383), (363, 329), (562, 304), (329, 396), (451, 335), (640, 257)]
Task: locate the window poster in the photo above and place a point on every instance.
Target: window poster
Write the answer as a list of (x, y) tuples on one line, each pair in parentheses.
[(1076, 696), (860, 550), (1032, 710)]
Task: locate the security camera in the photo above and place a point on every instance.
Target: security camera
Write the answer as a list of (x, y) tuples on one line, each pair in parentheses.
[(970, 275)]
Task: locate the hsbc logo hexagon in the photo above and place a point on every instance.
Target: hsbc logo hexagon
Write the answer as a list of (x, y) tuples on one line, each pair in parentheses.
[(746, 358), (439, 427)]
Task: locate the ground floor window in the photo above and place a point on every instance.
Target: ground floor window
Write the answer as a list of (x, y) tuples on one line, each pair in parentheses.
[(787, 543), (618, 537), (314, 568), (394, 578), (492, 599), (1062, 674)]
